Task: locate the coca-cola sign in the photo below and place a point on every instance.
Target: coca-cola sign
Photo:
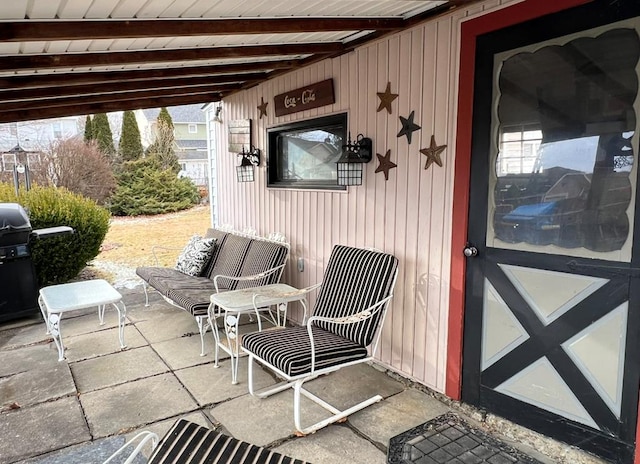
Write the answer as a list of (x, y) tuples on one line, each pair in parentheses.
[(310, 96)]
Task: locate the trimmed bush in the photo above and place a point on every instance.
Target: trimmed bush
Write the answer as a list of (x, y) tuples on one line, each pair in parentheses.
[(145, 188), (60, 259)]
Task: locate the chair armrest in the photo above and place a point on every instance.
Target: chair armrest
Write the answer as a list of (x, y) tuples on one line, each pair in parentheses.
[(358, 317), (144, 437), (246, 278), (161, 247)]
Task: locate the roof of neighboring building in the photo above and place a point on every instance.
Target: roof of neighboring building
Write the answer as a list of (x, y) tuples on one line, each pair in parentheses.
[(179, 114), (191, 155), (185, 144)]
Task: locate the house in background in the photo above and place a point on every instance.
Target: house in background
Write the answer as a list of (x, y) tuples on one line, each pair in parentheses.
[(190, 131), (22, 142)]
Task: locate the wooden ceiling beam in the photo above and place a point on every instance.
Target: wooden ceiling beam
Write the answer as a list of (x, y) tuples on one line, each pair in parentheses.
[(18, 31), (124, 86), (98, 77), (106, 107), (114, 97), (73, 60)]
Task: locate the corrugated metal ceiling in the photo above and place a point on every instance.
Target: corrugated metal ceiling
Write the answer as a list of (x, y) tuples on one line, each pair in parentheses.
[(58, 57)]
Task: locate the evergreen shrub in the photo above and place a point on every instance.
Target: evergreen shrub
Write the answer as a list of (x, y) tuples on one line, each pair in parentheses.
[(145, 188), (60, 259)]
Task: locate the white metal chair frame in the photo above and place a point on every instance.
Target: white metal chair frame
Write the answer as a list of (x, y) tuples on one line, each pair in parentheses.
[(144, 437), (297, 381)]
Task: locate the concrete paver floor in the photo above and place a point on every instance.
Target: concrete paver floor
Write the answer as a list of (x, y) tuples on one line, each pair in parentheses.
[(50, 411)]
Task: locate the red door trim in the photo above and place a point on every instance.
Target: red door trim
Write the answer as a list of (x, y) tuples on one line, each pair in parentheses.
[(470, 30)]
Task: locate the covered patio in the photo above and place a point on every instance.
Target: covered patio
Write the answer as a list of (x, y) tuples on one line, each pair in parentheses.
[(82, 409), (531, 320)]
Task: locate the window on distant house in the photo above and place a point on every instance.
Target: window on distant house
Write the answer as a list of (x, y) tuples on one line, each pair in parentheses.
[(57, 129), (193, 128), (304, 154), (33, 160), (8, 161)]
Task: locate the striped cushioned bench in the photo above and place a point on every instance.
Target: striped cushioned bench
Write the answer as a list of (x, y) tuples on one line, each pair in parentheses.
[(345, 325), (189, 443), (243, 260)]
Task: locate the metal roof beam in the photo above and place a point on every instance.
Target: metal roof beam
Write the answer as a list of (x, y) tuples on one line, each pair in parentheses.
[(97, 77), (106, 107), (17, 31), (115, 86), (74, 60), (114, 97)]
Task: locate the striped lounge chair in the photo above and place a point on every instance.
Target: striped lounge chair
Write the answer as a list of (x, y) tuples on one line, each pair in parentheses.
[(190, 443), (343, 330)]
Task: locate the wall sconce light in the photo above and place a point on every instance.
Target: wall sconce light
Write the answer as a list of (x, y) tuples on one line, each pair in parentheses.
[(245, 171), (353, 156), (217, 115)]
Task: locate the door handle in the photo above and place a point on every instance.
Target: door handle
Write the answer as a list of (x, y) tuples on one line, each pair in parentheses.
[(470, 251)]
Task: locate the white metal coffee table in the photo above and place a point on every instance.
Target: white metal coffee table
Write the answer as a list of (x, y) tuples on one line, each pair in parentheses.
[(55, 300), (258, 300)]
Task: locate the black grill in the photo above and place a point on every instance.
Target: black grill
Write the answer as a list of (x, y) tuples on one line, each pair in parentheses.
[(18, 281)]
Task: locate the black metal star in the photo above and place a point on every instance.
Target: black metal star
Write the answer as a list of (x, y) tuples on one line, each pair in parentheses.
[(385, 164), (386, 98), (433, 153), (262, 107), (408, 127)]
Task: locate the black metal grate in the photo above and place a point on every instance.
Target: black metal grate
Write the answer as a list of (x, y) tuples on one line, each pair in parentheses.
[(449, 439)]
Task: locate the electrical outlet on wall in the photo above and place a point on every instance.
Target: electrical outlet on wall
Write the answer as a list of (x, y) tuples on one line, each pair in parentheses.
[(300, 264)]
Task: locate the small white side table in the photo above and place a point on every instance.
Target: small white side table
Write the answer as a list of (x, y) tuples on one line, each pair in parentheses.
[(231, 305), (58, 299)]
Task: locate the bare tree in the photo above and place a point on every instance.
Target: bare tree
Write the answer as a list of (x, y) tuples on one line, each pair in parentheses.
[(163, 147), (77, 166)]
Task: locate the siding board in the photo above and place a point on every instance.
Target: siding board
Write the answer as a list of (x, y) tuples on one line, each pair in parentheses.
[(409, 215)]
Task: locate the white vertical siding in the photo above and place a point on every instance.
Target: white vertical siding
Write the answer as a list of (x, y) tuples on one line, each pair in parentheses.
[(409, 215)]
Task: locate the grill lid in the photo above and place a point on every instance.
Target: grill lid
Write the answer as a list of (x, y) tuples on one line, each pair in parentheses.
[(13, 219)]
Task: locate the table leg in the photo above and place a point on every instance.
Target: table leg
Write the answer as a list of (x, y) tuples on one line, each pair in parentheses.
[(122, 314), (101, 313), (54, 328), (213, 323), (282, 310), (43, 310), (231, 329)]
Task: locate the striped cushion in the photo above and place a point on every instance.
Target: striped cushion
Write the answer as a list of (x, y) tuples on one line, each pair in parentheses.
[(229, 259), (262, 256), (161, 278), (290, 350), (189, 443), (193, 298), (220, 237), (354, 280)]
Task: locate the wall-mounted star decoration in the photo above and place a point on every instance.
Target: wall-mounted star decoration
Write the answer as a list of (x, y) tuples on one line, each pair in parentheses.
[(386, 98), (408, 127), (433, 153), (262, 107), (385, 164)]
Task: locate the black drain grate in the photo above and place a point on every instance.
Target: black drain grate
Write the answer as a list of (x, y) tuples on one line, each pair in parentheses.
[(449, 439)]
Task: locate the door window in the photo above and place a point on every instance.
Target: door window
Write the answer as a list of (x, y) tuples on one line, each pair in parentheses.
[(566, 146)]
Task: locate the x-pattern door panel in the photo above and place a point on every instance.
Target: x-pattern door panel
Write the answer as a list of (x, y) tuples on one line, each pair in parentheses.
[(553, 295), (549, 342)]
